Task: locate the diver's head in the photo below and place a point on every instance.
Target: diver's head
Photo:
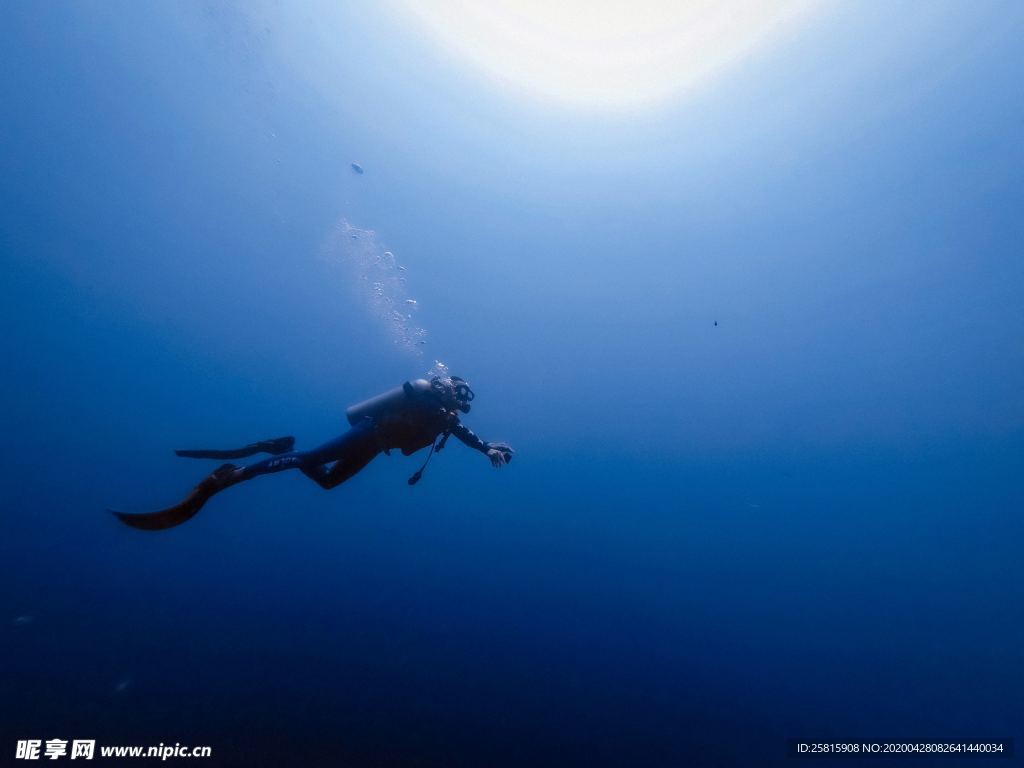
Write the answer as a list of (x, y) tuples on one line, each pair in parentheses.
[(453, 391)]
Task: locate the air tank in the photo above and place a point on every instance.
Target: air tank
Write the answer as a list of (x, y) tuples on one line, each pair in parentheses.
[(397, 399)]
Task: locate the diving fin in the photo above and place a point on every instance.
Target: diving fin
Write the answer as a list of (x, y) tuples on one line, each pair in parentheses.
[(218, 480), (276, 447)]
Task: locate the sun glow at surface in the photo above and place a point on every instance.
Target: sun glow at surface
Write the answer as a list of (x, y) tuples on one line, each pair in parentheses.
[(603, 53)]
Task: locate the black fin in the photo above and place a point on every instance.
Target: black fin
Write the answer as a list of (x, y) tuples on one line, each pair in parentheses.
[(163, 519), (159, 521), (276, 447)]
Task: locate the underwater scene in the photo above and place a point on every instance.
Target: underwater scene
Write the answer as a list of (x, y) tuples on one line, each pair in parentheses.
[(553, 384)]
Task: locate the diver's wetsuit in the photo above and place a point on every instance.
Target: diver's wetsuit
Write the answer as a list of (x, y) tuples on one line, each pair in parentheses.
[(356, 448)]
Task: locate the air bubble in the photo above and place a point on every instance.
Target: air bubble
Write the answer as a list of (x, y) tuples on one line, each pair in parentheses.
[(379, 279)]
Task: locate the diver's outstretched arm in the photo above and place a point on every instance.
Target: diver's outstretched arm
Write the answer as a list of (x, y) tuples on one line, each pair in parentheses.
[(500, 454)]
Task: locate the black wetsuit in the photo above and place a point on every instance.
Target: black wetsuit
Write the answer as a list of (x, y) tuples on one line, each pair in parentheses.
[(407, 431)]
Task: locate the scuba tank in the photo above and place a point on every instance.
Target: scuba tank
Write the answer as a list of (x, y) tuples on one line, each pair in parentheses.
[(417, 395), (410, 395)]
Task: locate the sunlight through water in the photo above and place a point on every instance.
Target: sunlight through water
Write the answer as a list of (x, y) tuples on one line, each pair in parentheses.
[(605, 54)]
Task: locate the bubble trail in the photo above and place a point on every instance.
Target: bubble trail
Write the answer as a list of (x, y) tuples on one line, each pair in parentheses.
[(380, 281)]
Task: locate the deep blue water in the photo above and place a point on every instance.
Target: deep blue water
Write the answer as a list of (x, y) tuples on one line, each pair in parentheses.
[(802, 522)]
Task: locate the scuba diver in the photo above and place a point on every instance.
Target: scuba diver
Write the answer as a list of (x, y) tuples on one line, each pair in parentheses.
[(410, 417)]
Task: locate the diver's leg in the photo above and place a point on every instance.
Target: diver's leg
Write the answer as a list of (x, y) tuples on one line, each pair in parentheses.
[(350, 453), (223, 477), (293, 460), (318, 474), (342, 469), (352, 450)]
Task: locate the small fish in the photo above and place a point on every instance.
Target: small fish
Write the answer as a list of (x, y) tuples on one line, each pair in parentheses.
[(123, 685), (21, 621), (357, 168)]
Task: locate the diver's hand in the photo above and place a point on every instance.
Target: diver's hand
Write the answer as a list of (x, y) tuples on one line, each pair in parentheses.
[(500, 454)]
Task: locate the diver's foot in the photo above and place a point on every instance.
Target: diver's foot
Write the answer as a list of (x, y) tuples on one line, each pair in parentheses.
[(219, 479), (277, 446)]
